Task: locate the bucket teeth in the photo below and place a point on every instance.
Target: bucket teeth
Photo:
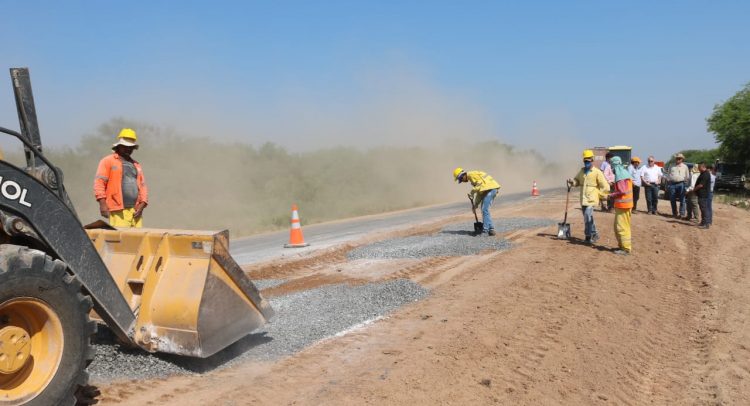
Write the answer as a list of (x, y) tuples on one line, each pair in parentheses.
[(188, 294)]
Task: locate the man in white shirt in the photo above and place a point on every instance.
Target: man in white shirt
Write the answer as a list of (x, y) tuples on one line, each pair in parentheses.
[(650, 181), (635, 172), (691, 197)]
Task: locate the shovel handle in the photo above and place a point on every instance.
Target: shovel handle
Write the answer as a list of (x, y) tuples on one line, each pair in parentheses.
[(473, 209), (567, 200)]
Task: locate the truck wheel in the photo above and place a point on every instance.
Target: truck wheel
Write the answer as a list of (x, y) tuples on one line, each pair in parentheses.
[(45, 330)]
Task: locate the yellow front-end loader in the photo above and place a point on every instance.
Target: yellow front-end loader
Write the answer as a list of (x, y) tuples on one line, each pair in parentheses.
[(172, 291)]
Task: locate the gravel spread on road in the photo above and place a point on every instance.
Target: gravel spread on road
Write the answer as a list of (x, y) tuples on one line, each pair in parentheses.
[(302, 318), (503, 225), (453, 240), (268, 283)]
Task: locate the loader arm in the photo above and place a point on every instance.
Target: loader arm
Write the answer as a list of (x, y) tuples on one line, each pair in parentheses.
[(36, 164), (57, 227)]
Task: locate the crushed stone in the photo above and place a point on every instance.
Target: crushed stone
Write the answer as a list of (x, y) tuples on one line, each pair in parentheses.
[(453, 240), (268, 283), (302, 318)]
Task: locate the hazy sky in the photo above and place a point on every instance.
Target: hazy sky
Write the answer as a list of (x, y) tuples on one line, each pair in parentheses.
[(307, 74)]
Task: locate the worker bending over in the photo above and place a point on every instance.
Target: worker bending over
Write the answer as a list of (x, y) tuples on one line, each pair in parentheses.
[(119, 185), (484, 191), (593, 187)]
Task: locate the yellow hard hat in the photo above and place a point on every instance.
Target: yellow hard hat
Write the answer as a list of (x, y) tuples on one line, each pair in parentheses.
[(457, 172), (636, 159), (128, 133), (588, 154), (127, 138)]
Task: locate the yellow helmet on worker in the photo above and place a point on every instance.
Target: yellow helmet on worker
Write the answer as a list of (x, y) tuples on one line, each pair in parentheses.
[(127, 137), (457, 174), (588, 154)]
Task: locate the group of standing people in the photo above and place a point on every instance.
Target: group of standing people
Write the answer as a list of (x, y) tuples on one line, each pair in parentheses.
[(617, 187), (689, 190)]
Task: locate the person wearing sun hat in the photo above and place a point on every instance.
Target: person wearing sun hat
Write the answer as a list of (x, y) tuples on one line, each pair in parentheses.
[(119, 185), (679, 178)]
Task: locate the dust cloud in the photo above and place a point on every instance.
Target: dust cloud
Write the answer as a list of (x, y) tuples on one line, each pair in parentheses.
[(394, 149)]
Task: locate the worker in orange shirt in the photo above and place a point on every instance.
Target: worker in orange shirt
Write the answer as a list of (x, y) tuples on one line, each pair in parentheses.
[(119, 185), (622, 198)]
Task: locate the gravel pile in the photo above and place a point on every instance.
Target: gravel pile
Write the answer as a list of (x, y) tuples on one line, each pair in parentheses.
[(454, 240), (301, 319)]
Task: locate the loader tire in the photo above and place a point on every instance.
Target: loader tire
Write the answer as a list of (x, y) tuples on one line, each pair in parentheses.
[(45, 330)]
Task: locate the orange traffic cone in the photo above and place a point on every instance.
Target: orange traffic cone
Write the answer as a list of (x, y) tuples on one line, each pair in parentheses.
[(296, 240), (534, 190)]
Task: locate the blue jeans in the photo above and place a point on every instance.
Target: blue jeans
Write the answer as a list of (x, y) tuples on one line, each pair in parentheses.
[(705, 215), (588, 220), (677, 191), (486, 203), (652, 198)]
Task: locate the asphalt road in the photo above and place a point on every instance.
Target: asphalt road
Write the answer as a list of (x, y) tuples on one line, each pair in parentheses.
[(264, 247)]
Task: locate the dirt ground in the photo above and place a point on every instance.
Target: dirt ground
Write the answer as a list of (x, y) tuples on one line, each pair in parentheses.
[(547, 322)]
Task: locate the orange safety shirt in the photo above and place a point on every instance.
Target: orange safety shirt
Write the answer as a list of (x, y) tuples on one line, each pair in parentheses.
[(108, 182), (623, 194)]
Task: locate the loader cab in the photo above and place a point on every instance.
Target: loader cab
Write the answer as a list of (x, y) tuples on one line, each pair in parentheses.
[(624, 152)]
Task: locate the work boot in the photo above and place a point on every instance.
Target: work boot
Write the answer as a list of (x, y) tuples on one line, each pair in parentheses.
[(622, 252), (491, 232)]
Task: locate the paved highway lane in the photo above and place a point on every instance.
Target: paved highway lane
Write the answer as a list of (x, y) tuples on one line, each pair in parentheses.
[(264, 247)]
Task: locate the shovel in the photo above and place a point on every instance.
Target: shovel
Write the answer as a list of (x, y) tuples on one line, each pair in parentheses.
[(478, 225), (563, 229)]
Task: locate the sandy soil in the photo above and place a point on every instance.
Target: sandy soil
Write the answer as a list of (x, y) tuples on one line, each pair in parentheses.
[(548, 322)]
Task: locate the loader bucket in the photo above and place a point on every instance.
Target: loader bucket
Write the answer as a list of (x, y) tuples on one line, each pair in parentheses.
[(188, 295)]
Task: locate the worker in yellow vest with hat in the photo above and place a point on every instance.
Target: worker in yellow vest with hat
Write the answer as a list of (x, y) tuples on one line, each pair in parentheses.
[(594, 187), (484, 190)]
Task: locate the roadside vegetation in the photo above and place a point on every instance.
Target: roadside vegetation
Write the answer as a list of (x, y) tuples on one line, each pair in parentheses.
[(739, 199), (730, 123)]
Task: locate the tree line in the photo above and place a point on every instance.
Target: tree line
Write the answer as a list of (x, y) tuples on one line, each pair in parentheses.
[(730, 124)]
